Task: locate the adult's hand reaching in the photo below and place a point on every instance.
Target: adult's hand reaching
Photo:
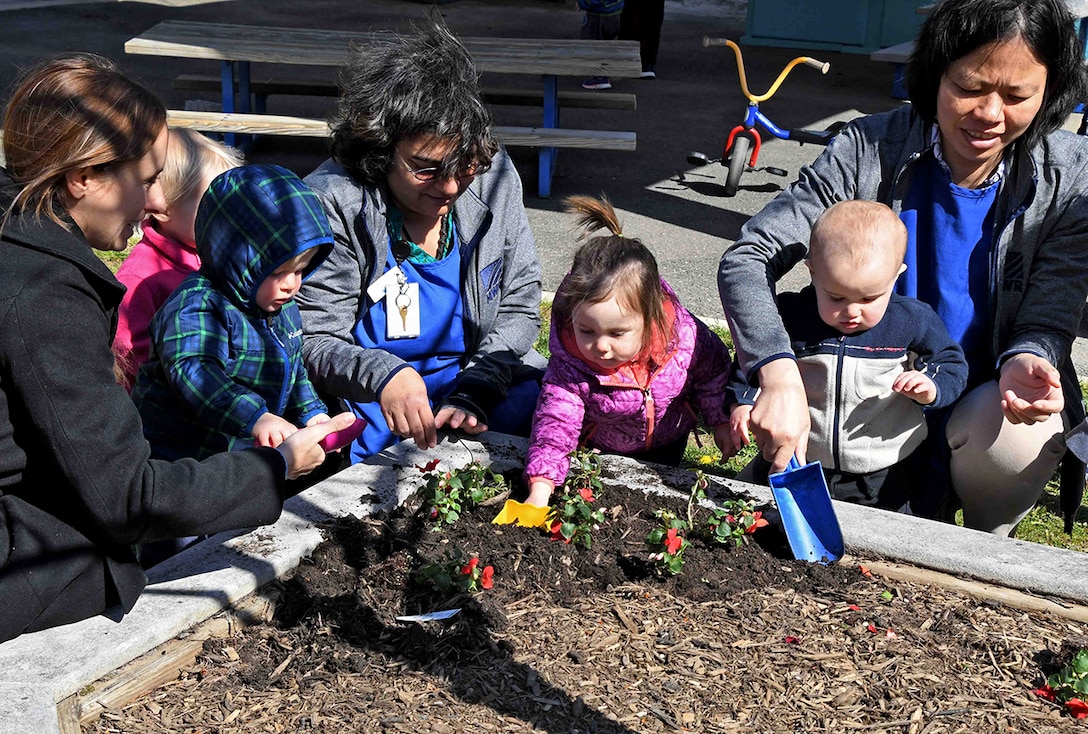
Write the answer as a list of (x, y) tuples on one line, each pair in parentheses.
[(1031, 389), (407, 409), (780, 419), (302, 449)]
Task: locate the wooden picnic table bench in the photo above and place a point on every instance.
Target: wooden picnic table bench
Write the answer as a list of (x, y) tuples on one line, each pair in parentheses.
[(235, 46)]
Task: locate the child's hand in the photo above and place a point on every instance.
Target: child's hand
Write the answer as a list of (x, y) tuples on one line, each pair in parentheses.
[(540, 491), (723, 438), (459, 418), (916, 386), (318, 419), (740, 418), (271, 430)]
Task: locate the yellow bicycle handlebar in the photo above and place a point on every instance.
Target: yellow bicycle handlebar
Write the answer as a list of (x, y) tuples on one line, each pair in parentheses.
[(823, 66)]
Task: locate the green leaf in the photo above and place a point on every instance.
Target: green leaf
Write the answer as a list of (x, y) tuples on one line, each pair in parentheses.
[(887, 595)]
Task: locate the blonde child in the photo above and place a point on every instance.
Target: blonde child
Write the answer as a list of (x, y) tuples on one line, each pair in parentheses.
[(630, 366), (225, 371), (870, 360), (166, 252)]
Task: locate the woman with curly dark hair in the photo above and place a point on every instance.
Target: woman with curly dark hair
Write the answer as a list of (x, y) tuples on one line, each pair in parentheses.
[(426, 312)]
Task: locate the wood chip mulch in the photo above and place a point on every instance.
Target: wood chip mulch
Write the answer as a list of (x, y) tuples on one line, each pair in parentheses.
[(576, 641)]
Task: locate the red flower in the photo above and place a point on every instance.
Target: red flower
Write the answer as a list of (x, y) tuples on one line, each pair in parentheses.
[(429, 466), (791, 640), (468, 569), (854, 608), (1077, 707), (872, 628), (586, 494), (757, 523), (557, 532), (673, 542), (487, 577), (1045, 692)]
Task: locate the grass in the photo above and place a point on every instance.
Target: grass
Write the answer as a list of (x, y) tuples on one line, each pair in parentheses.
[(1043, 524)]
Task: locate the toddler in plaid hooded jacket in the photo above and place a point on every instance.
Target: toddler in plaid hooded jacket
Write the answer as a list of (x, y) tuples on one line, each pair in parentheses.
[(225, 370)]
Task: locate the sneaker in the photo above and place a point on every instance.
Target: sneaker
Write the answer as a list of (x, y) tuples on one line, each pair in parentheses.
[(648, 73), (597, 82)]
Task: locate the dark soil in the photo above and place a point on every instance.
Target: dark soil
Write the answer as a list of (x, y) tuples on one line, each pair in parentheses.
[(571, 639)]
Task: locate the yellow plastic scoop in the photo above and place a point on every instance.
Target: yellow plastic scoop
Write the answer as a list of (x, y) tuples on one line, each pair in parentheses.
[(525, 515)]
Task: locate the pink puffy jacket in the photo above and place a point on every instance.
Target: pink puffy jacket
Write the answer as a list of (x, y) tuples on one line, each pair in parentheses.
[(579, 406), (151, 272)]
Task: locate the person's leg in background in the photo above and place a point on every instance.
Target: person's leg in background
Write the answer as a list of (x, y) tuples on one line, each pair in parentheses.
[(597, 27), (641, 21), (999, 469)]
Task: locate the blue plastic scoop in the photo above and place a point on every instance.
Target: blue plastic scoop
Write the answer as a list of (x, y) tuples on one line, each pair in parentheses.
[(804, 503)]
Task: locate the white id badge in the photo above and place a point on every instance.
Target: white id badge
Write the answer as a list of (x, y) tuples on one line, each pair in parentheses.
[(379, 287), (402, 311)]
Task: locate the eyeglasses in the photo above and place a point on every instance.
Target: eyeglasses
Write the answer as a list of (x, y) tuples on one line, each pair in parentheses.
[(426, 175)]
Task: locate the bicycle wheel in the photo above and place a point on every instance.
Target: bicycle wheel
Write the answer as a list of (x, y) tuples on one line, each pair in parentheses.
[(738, 162)]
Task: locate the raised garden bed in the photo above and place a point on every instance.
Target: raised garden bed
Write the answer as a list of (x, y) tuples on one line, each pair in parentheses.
[(598, 639)]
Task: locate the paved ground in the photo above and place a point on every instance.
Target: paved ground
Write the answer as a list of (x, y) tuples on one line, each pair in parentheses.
[(677, 210)]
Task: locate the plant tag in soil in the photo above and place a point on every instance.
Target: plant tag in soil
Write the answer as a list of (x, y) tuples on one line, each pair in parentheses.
[(429, 617)]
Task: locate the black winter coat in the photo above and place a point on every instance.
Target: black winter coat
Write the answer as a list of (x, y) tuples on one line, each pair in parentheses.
[(77, 489)]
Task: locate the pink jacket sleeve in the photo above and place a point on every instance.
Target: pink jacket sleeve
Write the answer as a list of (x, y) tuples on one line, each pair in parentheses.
[(557, 426)]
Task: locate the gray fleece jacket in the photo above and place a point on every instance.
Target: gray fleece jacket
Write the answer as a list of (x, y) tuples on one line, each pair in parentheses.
[(1039, 267), (500, 292)]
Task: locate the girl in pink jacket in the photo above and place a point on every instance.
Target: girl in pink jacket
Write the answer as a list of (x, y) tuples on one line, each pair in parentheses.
[(167, 251), (630, 368)]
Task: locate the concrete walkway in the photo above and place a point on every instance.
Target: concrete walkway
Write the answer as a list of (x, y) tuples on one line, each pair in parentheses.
[(39, 670)]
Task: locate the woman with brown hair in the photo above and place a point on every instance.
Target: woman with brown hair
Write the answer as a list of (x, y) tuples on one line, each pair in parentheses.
[(84, 147)]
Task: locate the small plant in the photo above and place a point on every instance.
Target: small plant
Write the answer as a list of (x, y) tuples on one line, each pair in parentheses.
[(573, 515), (450, 492), (585, 471), (459, 571), (734, 522), (1069, 686), (667, 543)]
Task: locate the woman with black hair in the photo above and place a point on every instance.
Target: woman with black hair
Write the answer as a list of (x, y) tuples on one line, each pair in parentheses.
[(993, 195), (425, 314)]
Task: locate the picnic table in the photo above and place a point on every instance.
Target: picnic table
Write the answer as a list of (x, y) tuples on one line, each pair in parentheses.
[(236, 46)]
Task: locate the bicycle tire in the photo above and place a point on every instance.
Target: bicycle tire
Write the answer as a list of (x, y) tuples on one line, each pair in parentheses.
[(738, 162)]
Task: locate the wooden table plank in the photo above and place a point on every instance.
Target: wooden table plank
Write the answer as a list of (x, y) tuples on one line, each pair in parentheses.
[(255, 124), (312, 47)]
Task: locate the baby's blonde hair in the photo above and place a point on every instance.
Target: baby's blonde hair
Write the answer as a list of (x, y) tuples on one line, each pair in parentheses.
[(860, 232), (190, 157)]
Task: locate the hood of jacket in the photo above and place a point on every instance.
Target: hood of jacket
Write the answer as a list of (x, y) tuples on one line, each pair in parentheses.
[(251, 221)]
